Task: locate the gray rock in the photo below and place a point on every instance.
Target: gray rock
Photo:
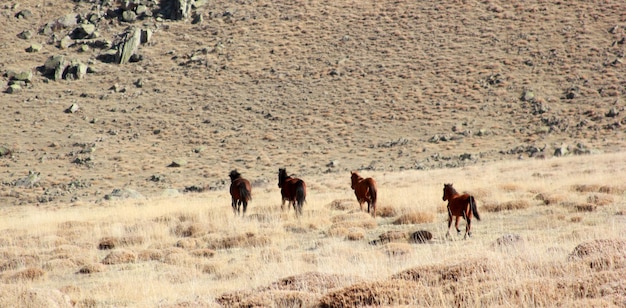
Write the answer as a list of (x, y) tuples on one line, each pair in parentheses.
[(55, 66), (24, 14), (14, 88), (146, 35), (66, 42), (68, 21), (128, 46), (26, 76), (34, 47), (72, 109), (28, 181), (25, 35), (178, 163), (129, 16), (561, 151), (124, 193), (528, 95), (4, 151)]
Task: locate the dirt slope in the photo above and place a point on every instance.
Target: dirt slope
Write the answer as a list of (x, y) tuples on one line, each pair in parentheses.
[(300, 84)]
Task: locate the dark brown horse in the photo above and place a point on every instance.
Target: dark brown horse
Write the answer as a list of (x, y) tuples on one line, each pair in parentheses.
[(292, 190), (365, 191), (460, 206), (240, 191)]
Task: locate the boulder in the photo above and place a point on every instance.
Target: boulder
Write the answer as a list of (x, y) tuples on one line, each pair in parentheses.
[(25, 35), (128, 46), (55, 66), (14, 88), (34, 47)]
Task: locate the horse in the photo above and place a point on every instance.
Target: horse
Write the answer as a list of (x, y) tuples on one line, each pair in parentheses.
[(292, 190), (365, 191), (240, 191), (459, 205)]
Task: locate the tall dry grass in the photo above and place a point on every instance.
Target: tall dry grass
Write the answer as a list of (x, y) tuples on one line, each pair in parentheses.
[(192, 249)]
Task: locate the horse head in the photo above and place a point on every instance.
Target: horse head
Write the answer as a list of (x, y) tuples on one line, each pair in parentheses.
[(282, 175), (234, 175), (448, 191), (354, 176)]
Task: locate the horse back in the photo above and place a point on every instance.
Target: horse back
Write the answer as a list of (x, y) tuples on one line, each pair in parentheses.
[(236, 187)]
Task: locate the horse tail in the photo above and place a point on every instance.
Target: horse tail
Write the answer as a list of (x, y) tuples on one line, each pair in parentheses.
[(473, 207), (244, 193), (300, 192), (373, 193)]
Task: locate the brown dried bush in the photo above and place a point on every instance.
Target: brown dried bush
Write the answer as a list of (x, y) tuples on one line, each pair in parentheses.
[(601, 254), (415, 218), (506, 206), (91, 268), (379, 293), (386, 211), (397, 249), (119, 257), (241, 240), (343, 204), (29, 273)]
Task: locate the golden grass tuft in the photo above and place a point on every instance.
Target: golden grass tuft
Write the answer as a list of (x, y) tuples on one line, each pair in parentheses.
[(415, 218), (92, 268), (27, 274), (120, 257), (355, 234), (379, 293), (397, 249), (506, 206), (600, 199), (386, 212), (343, 204), (601, 254), (237, 241)]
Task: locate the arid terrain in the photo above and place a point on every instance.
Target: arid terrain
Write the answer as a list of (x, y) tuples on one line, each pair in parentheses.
[(113, 181)]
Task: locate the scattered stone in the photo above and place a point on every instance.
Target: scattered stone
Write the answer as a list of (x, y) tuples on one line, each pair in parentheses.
[(129, 16), (146, 36), (29, 181), (528, 96), (197, 18), (128, 46), (177, 163), (67, 21), (84, 31), (66, 42), (4, 151), (561, 151), (14, 88), (24, 14), (34, 47), (125, 193), (613, 112), (25, 35), (72, 109)]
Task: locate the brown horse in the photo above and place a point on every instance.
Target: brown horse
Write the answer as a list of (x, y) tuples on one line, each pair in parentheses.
[(240, 191), (460, 206), (292, 190), (365, 191)]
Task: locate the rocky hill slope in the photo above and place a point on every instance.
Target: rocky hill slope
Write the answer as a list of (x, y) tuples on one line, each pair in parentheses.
[(313, 86)]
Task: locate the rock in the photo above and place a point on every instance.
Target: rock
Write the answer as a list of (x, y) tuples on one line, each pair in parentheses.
[(25, 35), (528, 95), (66, 42), (68, 21), (197, 18), (25, 76), (128, 46), (125, 193), (83, 31), (146, 35), (72, 109), (34, 47), (561, 151), (14, 88), (55, 66), (129, 16), (28, 181), (178, 9), (141, 10), (24, 14), (4, 151), (170, 192), (178, 163), (613, 112)]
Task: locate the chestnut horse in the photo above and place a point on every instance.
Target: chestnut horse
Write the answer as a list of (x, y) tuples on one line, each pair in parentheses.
[(365, 191), (460, 206), (292, 190), (240, 191)]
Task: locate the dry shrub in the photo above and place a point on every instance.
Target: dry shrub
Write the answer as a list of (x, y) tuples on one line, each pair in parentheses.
[(107, 243), (587, 207), (19, 261), (506, 206), (576, 219), (242, 240), (434, 275), (600, 200), (386, 211), (415, 218), (552, 199), (342, 204), (197, 303), (392, 235), (358, 215), (188, 243), (397, 249), (119, 257), (178, 258), (585, 188), (203, 253), (279, 298), (91, 268), (421, 236), (606, 284), (601, 254), (510, 187), (58, 264), (508, 242), (150, 255), (337, 231), (35, 297), (29, 273), (355, 234), (379, 293), (131, 240), (189, 229), (312, 282)]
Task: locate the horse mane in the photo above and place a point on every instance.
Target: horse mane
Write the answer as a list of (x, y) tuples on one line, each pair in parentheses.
[(234, 175)]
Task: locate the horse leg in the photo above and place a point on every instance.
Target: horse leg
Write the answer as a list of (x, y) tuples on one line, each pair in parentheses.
[(456, 224), (245, 206), (468, 228), (233, 204), (449, 224)]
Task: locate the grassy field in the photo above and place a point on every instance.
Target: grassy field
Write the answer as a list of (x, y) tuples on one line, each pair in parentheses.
[(552, 233)]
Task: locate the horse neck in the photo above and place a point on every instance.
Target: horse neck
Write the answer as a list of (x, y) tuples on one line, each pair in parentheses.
[(451, 192)]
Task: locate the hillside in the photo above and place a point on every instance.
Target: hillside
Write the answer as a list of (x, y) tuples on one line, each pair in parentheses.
[(305, 85)]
